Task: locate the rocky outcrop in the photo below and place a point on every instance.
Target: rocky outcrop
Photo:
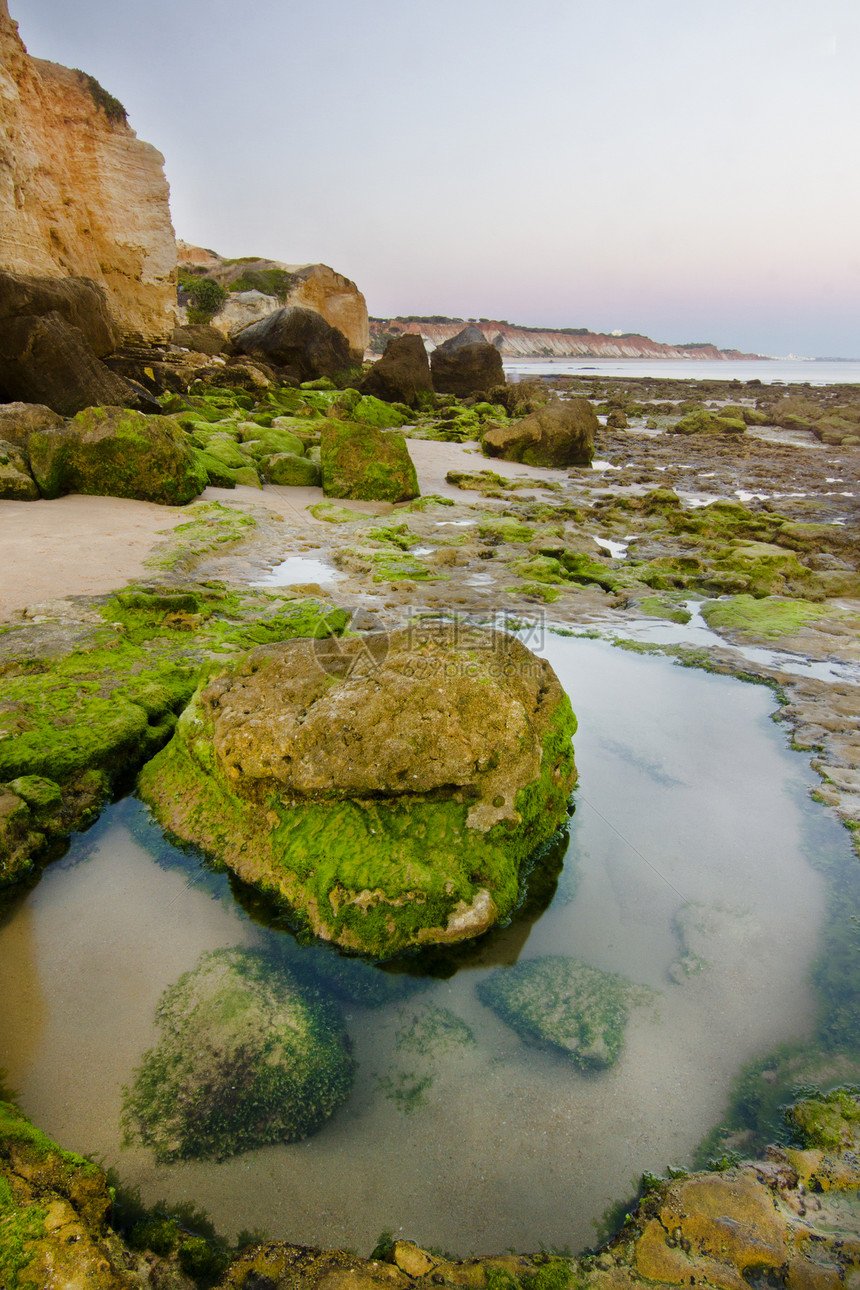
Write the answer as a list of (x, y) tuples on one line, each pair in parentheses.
[(116, 452), (559, 434), (315, 770), (46, 359), (466, 364), (299, 341), (402, 375), (572, 342), (258, 287), (80, 194), (366, 464), (783, 1220)]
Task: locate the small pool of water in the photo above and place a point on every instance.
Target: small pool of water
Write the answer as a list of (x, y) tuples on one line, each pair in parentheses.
[(658, 631), (298, 569), (689, 837)]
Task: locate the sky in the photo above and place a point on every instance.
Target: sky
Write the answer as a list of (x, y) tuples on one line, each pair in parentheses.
[(679, 168)]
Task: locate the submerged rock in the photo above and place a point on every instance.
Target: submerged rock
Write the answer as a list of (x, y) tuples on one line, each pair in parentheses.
[(246, 1058), (363, 463), (389, 787), (559, 434), (565, 1004)]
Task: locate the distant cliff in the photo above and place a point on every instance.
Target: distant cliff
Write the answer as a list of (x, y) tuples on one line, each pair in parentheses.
[(528, 342), (80, 194)]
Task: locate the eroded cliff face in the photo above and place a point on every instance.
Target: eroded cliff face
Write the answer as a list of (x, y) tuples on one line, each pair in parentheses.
[(526, 342), (80, 194), (313, 286)]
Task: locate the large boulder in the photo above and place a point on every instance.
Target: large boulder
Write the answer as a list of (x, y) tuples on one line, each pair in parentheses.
[(390, 788), (559, 434), (402, 375), (45, 359), (466, 364), (245, 1058), (82, 302), (365, 464), (298, 340), (117, 452)]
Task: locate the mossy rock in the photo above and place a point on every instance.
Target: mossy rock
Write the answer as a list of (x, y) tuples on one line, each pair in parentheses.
[(78, 725), (246, 1058), (117, 452), (290, 471), (363, 463), (54, 1207), (340, 799), (248, 477), (260, 442), (566, 1005), (768, 617), (374, 412), (16, 482), (332, 514)]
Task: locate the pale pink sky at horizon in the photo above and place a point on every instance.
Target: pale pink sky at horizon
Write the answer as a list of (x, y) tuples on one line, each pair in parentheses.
[(663, 166)]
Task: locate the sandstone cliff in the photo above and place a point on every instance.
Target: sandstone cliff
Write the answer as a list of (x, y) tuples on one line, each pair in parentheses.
[(80, 194), (527, 342), (314, 286)]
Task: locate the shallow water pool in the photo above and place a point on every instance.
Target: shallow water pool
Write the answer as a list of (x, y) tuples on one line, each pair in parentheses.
[(686, 871)]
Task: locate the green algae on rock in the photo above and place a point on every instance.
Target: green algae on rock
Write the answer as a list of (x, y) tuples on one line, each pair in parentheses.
[(117, 452), (316, 771), (246, 1057), (365, 464), (564, 1004), (84, 711)]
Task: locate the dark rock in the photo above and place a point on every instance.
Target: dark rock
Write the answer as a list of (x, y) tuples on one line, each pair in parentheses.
[(402, 374), (466, 364), (82, 302), (47, 360), (297, 339), (201, 338), (559, 434), (366, 464), (116, 452)]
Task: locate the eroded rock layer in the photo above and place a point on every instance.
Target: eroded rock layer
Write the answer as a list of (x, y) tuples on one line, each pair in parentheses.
[(80, 194)]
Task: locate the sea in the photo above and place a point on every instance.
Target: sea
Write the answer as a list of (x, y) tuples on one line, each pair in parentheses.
[(770, 371)]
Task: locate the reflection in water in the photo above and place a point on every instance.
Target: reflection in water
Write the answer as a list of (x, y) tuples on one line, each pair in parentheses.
[(685, 873)]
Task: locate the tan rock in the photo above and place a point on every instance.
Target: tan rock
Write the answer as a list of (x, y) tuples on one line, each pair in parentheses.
[(80, 194), (338, 300), (412, 1260), (314, 286)]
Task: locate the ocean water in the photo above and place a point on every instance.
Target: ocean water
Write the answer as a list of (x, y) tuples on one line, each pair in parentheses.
[(689, 845), (788, 371)]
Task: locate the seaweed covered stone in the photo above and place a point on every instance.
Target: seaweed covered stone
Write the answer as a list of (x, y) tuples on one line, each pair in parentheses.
[(364, 463), (565, 1004), (391, 788), (246, 1057), (117, 452)]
